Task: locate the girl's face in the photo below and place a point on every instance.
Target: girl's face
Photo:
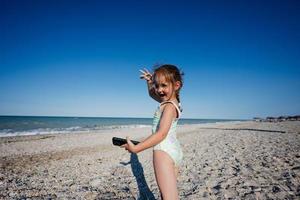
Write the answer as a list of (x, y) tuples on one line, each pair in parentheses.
[(165, 89)]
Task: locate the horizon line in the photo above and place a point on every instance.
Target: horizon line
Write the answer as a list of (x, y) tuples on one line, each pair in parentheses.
[(115, 117)]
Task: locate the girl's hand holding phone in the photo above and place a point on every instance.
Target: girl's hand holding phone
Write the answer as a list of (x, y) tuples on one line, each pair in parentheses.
[(129, 146)]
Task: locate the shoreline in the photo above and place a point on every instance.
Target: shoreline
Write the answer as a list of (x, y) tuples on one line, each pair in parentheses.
[(221, 160), (36, 125)]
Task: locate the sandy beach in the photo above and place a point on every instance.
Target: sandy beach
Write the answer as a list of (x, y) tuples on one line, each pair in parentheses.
[(230, 160)]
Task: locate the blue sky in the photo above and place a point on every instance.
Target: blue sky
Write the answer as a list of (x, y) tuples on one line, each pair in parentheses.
[(81, 58)]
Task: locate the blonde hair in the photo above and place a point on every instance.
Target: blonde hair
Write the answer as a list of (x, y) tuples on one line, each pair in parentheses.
[(172, 74)]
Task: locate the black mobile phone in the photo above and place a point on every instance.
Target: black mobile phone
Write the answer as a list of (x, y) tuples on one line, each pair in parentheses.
[(120, 141)]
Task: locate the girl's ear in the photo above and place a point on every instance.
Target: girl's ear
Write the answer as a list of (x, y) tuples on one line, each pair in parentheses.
[(177, 85)]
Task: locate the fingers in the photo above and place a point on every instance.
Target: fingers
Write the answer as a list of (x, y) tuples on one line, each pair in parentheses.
[(145, 73), (146, 78), (128, 141), (129, 146), (125, 146)]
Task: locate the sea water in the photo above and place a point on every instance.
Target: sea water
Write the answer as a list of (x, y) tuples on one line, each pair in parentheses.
[(35, 125)]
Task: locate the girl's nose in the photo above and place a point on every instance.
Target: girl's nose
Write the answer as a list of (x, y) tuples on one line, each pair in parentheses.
[(159, 89)]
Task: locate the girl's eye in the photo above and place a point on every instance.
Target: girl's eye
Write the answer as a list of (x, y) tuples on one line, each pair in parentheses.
[(160, 85)]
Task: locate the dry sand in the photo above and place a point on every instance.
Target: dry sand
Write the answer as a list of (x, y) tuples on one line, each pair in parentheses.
[(232, 160)]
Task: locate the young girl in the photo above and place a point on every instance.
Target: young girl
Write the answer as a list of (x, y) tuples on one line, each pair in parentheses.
[(163, 86)]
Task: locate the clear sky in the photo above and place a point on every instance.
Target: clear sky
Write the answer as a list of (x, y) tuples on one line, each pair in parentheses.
[(81, 58)]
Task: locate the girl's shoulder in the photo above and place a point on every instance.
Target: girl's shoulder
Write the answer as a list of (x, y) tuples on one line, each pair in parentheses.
[(170, 104)]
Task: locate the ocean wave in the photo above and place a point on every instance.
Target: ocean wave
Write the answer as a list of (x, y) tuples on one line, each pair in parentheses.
[(74, 129)]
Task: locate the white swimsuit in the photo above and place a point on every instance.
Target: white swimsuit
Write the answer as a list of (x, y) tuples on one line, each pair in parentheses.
[(170, 144)]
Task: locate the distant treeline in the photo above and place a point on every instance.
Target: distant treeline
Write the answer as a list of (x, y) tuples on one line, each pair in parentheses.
[(277, 119)]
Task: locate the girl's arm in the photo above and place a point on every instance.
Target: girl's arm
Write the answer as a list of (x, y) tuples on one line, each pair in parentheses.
[(151, 90), (169, 113)]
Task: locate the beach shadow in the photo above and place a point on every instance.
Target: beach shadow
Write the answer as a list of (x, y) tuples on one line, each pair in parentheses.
[(138, 172)]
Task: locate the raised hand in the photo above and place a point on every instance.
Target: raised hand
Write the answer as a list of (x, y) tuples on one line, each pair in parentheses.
[(145, 74)]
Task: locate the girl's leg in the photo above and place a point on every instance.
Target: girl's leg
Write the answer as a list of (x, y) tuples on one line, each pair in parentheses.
[(165, 175)]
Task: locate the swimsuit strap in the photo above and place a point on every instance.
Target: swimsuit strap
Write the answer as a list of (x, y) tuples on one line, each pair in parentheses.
[(177, 108)]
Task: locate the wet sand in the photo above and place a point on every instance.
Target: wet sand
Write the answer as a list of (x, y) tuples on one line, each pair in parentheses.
[(230, 160)]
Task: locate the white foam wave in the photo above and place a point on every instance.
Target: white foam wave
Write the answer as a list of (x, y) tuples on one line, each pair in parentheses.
[(75, 129)]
